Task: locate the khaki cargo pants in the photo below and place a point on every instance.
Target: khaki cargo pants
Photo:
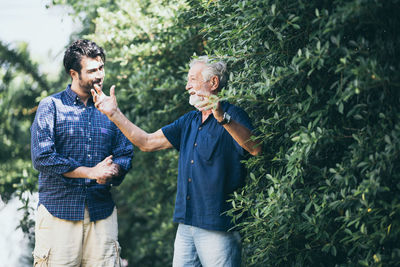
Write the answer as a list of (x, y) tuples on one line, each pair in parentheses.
[(75, 243)]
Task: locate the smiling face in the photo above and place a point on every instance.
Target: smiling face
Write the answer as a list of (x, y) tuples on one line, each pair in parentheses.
[(92, 73)]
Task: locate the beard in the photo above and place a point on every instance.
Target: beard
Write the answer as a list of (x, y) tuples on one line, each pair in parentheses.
[(195, 99), (88, 85)]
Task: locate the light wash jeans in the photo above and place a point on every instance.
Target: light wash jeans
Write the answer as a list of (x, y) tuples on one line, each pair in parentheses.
[(199, 247)]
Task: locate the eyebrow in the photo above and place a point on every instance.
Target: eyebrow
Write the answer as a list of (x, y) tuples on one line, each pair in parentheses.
[(101, 66)]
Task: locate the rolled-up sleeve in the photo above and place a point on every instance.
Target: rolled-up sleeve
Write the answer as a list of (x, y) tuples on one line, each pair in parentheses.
[(43, 150)]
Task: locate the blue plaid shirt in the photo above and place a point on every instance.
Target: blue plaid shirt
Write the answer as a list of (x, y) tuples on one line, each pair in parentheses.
[(65, 135)]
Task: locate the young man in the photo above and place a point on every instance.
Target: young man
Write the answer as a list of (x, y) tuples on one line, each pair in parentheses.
[(80, 154), (212, 143)]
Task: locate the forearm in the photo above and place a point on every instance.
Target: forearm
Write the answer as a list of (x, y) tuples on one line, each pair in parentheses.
[(80, 172), (137, 136), (102, 172), (51, 162), (143, 140), (242, 136)]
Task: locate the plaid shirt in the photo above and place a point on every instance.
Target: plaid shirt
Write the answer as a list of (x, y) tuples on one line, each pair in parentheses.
[(65, 135)]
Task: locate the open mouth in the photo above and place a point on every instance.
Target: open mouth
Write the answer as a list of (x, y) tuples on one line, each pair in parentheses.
[(100, 84)]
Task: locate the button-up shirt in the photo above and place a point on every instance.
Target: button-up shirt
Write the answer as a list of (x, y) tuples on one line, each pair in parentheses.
[(210, 168), (66, 135)]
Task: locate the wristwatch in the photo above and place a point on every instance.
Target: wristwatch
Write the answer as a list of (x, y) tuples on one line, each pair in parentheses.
[(226, 119)]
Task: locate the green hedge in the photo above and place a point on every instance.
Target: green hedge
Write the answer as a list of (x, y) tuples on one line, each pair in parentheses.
[(320, 79)]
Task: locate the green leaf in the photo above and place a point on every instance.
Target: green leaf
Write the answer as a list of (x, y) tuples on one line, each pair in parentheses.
[(341, 107)]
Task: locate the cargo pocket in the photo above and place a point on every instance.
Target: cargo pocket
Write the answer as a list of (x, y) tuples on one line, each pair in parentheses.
[(113, 258), (117, 254), (41, 257)]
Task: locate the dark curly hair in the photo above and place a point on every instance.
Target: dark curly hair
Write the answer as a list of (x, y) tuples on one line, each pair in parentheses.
[(79, 49)]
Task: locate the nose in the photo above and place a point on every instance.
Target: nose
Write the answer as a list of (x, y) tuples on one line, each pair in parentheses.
[(188, 86), (99, 74)]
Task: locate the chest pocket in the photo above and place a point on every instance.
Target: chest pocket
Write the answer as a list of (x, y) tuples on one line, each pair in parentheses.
[(208, 146), (106, 139)]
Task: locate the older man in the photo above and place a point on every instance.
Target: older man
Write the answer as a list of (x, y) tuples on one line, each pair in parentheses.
[(212, 142)]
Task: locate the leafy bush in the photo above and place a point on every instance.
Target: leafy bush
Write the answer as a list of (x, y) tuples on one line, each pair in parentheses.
[(320, 79), (21, 84)]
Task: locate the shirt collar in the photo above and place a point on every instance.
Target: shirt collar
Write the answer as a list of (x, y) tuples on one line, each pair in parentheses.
[(74, 98), (71, 95)]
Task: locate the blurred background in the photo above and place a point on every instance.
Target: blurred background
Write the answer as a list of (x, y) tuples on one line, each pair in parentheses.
[(41, 33)]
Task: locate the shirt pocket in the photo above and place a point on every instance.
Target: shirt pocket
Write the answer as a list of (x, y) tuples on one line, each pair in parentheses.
[(207, 146), (106, 139)]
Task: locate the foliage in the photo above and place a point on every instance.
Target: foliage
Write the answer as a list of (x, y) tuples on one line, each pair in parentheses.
[(21, 85), (320, 79)]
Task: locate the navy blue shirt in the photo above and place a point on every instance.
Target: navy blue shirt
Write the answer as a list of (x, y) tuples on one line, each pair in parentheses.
[(65, 135), (209, 168)]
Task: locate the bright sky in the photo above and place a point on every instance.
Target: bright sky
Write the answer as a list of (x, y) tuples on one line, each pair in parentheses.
[(46, 31)]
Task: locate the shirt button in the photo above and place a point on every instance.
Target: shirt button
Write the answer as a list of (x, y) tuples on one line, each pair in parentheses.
[(192, 161), (190, 180), (84, 109), (88, 156), (195, 144), (200, 128), (90, 123), (90, 139), (188, 197)]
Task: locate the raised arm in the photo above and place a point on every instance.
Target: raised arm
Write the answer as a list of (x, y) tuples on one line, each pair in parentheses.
[(143, 140), (242, 135)]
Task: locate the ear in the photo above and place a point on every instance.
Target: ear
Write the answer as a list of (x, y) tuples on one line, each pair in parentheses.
[(74, 74), (214, 83)]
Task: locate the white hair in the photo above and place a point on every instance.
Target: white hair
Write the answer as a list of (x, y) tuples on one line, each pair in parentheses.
[(213, 68)]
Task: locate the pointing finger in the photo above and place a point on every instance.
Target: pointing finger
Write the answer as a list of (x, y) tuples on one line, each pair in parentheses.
[(112, 91), (98, 89), (94, 94)]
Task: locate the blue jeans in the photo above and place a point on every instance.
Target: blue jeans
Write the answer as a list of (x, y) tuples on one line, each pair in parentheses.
[(199, 247)]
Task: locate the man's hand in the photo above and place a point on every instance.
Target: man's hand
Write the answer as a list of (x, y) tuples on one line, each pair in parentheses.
[(211, 102), (104, 171), (105, 104)]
